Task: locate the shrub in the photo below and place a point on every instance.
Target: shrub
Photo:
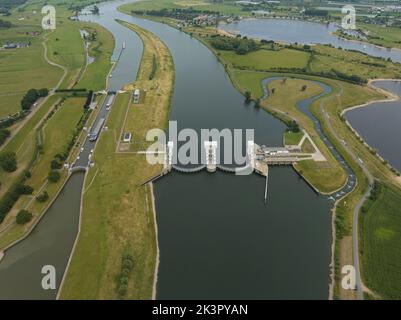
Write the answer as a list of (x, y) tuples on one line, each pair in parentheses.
[(43, 197), (4, 134), (23, 217), (55, 164), (8, 161), (24, 189), (54, 176)]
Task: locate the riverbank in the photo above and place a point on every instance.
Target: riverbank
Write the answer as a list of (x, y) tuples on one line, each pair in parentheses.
[(113, 186)]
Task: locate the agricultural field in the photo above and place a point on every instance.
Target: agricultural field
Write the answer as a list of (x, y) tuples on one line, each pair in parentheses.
[(381, 243), (22, 67)]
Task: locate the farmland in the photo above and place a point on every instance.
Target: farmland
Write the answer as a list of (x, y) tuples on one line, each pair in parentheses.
[(381, 239)]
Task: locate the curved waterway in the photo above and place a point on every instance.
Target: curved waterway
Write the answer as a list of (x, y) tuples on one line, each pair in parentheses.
[(305, 32), (379, 123)]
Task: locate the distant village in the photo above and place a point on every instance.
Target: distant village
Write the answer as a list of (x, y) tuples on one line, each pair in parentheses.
[(15, 45)]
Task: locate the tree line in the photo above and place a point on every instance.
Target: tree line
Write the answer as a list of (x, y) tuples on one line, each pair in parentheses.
[(31, 97), (238, 44)]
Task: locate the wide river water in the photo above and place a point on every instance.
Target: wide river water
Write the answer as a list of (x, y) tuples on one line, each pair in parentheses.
[(217, 238)]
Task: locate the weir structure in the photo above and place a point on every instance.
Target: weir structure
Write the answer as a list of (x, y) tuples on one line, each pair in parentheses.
[(258, 160)]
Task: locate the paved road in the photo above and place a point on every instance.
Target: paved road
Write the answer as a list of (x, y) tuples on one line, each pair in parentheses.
[(355, 237)]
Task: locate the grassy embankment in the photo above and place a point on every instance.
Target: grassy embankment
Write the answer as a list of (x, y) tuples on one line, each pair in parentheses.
[(117, 216), (67, 112), (383, 36), (346, 95)]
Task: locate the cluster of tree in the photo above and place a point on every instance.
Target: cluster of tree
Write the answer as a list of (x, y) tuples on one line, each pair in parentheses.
[(376, 190), (374, 195), (12, 196), (238, 44), (351, 78), (180, 14), (54, 176), (127, 262), (43, 197), (293, 126), (23, 217), (31, 96), (5, 24), (10, 120), (8, 161), (4, 134), (316, 13)]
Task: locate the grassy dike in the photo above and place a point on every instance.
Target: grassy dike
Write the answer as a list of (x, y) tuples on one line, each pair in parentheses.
[(376, 232), (117, 213)]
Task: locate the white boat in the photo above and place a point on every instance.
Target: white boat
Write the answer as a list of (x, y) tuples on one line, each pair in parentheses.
[(124, 45)]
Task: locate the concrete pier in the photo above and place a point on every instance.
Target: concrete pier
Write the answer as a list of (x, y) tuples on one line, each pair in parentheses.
[(267, 184)]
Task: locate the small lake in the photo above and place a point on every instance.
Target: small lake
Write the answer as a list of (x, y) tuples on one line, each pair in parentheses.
[(379, 124), (304, 32)]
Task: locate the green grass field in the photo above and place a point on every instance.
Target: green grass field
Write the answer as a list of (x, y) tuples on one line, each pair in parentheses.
[(20, 70), (381, 244), (101, 49), (352, 63), (56, 134), (292, 138), (267, 59)]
